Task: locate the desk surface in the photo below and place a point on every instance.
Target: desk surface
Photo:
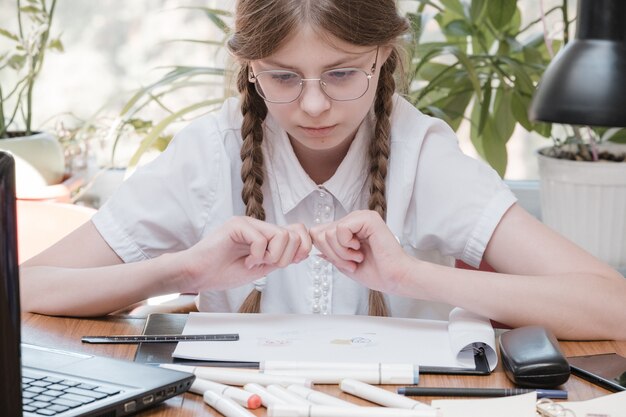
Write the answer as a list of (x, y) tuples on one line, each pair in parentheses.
[(65, 333)]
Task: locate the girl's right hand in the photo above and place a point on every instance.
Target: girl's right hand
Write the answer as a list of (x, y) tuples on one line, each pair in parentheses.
[(241, 250)]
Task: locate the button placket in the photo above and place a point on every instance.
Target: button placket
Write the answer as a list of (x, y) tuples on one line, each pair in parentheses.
[(321, 270)]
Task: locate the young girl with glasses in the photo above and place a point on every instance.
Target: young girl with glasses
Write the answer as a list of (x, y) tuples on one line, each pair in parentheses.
[(321, 190)]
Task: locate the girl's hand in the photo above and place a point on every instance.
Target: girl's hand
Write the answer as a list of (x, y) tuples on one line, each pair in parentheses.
[(362, 247), (240, 251)]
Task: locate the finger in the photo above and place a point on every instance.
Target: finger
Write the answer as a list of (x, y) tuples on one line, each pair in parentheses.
[(245, 233), (277, 246), (347, 237), (345, 252), (305, 242), (320, 241), (290, 250)]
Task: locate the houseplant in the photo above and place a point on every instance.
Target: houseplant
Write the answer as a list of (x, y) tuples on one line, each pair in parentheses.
[(40, 157), (154, 108)]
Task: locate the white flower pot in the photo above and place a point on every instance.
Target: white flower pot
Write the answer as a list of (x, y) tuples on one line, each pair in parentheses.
[(586, 202), (40, 153)]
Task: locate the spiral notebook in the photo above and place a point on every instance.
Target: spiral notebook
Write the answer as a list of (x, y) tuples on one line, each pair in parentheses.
[(450, 346), (526, 405)]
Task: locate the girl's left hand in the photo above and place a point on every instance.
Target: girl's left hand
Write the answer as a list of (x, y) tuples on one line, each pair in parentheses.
[(362, 247)]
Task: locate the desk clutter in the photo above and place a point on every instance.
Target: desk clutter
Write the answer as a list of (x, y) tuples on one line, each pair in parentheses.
[(233, 392), (234, 384)]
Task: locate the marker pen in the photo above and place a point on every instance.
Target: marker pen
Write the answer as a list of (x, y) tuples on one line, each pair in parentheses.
[(287, 396), (237, 377), (317, 397), (241, 397), (225, 405), (290, 410), (382, 397), (267, 398), (372, 376), (338, 366)]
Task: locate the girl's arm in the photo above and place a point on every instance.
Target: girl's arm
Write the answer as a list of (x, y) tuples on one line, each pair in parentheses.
[(544, 279), (82, 276)]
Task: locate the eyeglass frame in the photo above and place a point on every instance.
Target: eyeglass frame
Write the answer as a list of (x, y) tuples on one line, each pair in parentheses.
[(253, 79)]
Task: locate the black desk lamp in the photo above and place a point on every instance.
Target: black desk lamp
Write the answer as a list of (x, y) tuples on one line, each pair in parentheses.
[(585, 84)]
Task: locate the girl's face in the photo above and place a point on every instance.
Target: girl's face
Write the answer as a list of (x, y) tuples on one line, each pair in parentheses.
[(315, 121)]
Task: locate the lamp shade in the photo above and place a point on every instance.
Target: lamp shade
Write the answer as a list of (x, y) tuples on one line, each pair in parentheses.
[(585, 84)]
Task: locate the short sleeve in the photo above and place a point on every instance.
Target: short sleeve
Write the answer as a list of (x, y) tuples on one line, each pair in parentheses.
[(165, 205), (458, 200)]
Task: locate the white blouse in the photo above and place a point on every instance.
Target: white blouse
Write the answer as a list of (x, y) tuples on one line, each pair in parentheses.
[(441, 204)]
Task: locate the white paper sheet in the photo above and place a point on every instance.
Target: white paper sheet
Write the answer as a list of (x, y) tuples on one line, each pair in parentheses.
[(340, 338)]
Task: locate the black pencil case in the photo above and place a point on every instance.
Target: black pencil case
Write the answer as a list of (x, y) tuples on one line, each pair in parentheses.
[(531, 357)]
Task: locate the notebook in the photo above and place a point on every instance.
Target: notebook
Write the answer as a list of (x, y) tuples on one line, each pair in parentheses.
[(55, 382)]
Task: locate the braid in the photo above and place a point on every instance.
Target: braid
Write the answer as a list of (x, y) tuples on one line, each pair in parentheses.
[(379, 157), (254, 111)]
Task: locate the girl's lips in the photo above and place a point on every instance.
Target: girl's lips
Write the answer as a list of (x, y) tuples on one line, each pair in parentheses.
[(318, 131)]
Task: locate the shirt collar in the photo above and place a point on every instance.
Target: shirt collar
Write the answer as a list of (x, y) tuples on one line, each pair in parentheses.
[(291, 184)]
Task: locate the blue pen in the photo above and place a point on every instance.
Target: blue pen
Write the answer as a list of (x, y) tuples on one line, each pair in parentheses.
[(480, 392)]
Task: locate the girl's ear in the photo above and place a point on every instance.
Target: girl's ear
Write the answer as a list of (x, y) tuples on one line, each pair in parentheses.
[(383, 54)]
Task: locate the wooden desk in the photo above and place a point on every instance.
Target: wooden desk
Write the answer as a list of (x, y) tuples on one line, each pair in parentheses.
[(65, 333)]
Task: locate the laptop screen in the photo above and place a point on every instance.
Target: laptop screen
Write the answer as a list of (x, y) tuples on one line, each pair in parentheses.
[(10, 377)]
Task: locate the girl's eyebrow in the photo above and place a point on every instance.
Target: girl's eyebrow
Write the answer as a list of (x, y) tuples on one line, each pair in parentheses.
[(336, 64)]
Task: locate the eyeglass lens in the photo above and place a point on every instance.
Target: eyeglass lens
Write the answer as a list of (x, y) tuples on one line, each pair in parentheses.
[(281, 86)]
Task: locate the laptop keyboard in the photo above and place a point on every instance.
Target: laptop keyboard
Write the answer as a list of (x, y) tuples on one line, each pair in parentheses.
[(49, 396)]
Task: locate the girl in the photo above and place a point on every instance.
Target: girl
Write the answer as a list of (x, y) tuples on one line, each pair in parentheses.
[(319, 150)]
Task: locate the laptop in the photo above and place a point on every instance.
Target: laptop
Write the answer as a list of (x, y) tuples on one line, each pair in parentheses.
[(52, 382)]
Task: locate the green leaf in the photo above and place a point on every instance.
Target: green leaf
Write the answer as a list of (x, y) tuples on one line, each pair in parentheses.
[(156, 132), (500, 12), (8, 34), (457, 28), (471, 72), (56, 45), (477, 11), (543, 129), (619, 136), (30, 9), (519, 107), (484, 107), (454, 5), (430, 70), (494, 149), (504, 121)]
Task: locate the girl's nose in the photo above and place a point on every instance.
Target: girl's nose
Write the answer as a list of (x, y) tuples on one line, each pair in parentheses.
[(313, 100)]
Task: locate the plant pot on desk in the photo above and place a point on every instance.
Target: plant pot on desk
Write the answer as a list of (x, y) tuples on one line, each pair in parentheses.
[(586, 202), (39, 166)]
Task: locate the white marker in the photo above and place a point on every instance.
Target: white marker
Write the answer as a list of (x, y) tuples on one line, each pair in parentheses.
[(381, 396), (287, 396), (241, 397), (267, 398), (225, 405), (317, 397), (290, 410), (238, 377), (339, 366), (373, 376)]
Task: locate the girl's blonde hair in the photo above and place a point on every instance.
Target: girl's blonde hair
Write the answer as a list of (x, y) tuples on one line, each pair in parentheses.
[(261, 27)]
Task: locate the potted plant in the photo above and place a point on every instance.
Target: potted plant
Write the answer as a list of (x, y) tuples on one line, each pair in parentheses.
[(39, 155), (153, 108), (486, 70), (482, 66)]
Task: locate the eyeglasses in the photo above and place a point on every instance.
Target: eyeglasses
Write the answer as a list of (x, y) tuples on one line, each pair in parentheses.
[(340, 84)]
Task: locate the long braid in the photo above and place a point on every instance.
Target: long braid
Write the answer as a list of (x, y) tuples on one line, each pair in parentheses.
[(254, 111), (379, 158)]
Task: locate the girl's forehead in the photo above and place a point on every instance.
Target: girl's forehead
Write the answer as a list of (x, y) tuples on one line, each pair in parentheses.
[(310, 44)]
